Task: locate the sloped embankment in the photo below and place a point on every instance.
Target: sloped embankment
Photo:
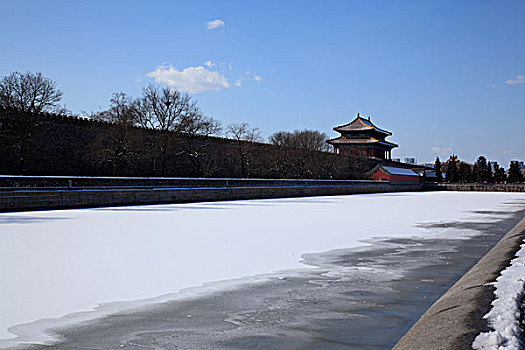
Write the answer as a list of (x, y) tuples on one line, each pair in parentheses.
[(455, 319)]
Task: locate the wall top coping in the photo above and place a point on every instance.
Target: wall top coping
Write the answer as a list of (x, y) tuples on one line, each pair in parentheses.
[(28, 177)]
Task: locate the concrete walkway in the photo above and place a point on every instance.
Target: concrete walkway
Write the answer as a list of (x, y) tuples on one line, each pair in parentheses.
[(456, 318)]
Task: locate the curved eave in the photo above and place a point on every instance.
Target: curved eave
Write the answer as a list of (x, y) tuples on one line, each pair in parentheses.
[(389, 144), (345, 141), (364, 125), (341, 129)]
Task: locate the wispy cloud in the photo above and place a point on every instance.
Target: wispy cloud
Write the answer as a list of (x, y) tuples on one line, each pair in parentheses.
[(248, 76), (216, 23), (508, 152), (442, 151), (191, 79), (519, 79), (209, 64)]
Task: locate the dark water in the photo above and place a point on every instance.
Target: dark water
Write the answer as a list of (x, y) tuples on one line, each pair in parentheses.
[(356, 299)]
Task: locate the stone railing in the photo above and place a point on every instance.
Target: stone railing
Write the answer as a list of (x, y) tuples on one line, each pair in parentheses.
[(39, 193), (475, 187)]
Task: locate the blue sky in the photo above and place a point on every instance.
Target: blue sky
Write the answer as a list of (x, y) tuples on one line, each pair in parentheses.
[(443, 76)]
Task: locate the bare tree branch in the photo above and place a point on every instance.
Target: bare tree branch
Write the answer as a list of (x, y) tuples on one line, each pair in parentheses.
[(30, 92)]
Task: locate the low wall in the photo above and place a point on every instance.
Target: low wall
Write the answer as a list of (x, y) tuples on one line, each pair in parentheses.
[(475, 187), (41, 193), (456, 318), (8, 182)]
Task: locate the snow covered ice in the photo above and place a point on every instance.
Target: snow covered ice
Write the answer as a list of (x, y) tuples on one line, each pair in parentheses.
[(87, 263)]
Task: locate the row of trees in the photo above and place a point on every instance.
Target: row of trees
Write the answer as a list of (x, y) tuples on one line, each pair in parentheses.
[(481, 171), (162, 115), (172, 114)]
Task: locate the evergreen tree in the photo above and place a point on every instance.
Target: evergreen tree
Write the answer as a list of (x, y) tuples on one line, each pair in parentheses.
[(499, 174), (475, 173), (515, 174), (437, 168), (479, 173), (452, 171), (490, 177), (464, 172)]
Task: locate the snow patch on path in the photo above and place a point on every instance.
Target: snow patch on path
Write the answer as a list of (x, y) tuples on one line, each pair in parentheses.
[(506, 313)]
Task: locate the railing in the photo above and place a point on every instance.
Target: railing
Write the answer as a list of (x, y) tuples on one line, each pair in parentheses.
[(8, 182)]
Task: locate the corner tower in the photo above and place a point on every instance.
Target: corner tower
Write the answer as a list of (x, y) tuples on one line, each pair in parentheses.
[(362, 138)]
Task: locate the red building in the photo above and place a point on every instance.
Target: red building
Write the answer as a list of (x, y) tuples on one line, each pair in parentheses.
[(362, 138), (394, 174)]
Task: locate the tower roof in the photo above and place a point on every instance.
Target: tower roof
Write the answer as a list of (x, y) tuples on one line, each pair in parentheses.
[(360, 141), (360, 124)]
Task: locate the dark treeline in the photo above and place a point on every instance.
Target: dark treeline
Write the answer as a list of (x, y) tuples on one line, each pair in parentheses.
[(61, 145), (481, 171), (160, 133)]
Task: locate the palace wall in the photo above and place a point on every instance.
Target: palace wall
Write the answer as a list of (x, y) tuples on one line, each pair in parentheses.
[(63, 145)]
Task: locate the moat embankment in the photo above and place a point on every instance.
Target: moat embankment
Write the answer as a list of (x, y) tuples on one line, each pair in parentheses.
[(19, 193), (454, 321)]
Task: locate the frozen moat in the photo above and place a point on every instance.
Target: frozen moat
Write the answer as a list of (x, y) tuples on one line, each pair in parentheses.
[(337, 272)]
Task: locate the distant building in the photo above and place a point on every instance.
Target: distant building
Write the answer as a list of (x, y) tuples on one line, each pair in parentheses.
[(396, 160), (362, 138), (394, 174), (410, 161), (430, 175)]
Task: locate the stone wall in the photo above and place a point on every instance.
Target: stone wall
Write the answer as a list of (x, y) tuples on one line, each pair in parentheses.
[(475, 187), (73, 146), (56, 193)]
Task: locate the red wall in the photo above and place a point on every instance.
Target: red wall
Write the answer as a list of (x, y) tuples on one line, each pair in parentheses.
[(380, 175)]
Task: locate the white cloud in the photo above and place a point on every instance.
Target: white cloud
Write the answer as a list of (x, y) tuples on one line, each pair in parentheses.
[(257, 78), (238, 83), (508, 152), (209, 64), (491, 85), (191, 79), (520, 79), (442, 151), (217, 23)]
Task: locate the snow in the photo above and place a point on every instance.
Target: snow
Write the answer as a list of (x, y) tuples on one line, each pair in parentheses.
[(504, 317), (87, 263), (400, 171)]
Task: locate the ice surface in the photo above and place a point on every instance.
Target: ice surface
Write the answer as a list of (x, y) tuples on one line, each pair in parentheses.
[(505, 316), (55, 263)]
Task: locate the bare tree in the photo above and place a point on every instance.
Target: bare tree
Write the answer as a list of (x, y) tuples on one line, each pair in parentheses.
[(309, 140), (244, 136), (28, 93), (281, 139), (117, 144), (298, 153), (167, 110), (196, 143)]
